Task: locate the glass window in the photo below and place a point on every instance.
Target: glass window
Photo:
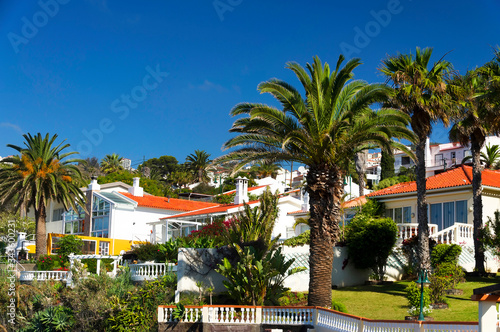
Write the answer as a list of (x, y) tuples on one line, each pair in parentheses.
[(100, 217), (74, 221), (398, 215), (439, 160), (57, 214), (407, 214), (448, 214), (389, 213), (461, 211), (436, 214)]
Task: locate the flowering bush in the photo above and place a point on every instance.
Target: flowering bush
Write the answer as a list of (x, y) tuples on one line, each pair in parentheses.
[(49, 262), (213, 231), (415, 311)]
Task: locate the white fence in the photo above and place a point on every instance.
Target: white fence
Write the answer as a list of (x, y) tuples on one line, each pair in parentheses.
[(323, 320), (28, 276), (458, 233), (150, 271), (407, 230)]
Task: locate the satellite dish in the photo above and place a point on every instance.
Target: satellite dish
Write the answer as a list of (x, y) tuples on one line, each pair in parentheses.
[(302, 169)]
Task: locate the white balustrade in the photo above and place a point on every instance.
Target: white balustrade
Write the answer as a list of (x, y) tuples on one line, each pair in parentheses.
[(232, 315), (407, 230), (43, 275), (458, 233), (150, 271), (336, 321), (318, 317), (288, 315)]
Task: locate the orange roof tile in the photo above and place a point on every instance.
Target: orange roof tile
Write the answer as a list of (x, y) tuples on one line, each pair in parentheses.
[(297, 212), (165, 203), (209, 210), (358, 201), (249, 189), (460, 176)]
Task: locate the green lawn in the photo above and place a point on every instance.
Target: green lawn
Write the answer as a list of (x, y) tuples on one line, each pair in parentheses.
[(389, 301)]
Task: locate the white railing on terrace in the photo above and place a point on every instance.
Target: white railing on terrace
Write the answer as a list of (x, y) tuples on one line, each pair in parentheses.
[(320, 318), (407, 230), (232, 314), (43, 275), (150, 271), (288, 315), (458, 233)]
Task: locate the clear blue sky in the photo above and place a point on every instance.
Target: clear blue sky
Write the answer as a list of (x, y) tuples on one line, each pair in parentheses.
[(85, 66)]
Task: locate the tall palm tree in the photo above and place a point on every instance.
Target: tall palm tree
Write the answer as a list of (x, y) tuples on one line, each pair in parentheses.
[(360, 160), (472, 128), (264, 169), (419, 92), (198, 162), (38, 175), (111, 163), (321, 131)]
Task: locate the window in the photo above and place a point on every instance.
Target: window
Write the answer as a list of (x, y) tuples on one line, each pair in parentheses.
[(399, 215), (405, 160), (57, 214), (446, 214), (461, 211), (100, 217), (453, 155), (104, 248), (438, 160), (74, 221), (290, 232)]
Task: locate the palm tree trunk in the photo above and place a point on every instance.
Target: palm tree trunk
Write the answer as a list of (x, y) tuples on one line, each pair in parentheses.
[(41, 234), (478, 204), (324, 185), (423, 222), (360, 161)]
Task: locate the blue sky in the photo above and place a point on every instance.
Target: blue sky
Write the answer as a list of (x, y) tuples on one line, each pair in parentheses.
[(151, 78)]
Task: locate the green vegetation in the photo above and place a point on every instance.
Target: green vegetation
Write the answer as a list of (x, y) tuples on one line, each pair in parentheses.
[(389, 301), (370, 241), (41, 173)]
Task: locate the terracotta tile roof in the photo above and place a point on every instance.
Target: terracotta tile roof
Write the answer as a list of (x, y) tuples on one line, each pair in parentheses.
[(249, 189), (209, 210), (358, 201), (165, 203), (297, 212), (460, 176)]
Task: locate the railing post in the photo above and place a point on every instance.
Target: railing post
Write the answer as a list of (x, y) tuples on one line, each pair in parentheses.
[(258, 315), (161, 314), (361, 325), (204, 315), (315, 316), (487, 316)]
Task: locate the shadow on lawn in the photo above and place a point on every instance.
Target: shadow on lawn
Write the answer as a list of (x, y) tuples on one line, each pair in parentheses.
[(397, 289)]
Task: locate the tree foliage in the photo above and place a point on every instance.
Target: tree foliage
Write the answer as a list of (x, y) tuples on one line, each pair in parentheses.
[(370, 242)]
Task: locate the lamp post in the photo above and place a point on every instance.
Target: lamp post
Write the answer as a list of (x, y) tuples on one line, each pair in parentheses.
[(422, 280)]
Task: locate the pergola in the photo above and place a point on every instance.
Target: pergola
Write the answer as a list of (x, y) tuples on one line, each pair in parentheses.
[(72, 258)]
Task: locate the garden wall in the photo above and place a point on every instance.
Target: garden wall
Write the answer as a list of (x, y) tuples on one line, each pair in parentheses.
[(198, 265)]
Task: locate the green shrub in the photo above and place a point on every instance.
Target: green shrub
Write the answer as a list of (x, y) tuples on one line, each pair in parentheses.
[(69, 244), (445, 253), (438, 286), (338, 306), (298, 240), (370, 241), (91, 264), (451, 272), (49, 262), (53, 319), (413, 295)]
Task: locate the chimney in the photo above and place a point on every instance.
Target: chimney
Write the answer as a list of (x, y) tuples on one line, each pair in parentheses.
[(305, 202), (94, 186), (241, 190), (136, 190)]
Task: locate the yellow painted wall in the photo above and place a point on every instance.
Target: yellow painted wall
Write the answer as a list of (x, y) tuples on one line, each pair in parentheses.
[(115, 245)]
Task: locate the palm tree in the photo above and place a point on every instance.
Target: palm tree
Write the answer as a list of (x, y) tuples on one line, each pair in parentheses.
[(360, 159), (321, 131), (198, 162), (111, 163), (421, 93), (264, 169), (37, 176), (490, 159)]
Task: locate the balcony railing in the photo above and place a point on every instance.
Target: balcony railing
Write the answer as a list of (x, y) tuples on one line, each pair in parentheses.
[(28, 276), (150, 271), (319, 318)]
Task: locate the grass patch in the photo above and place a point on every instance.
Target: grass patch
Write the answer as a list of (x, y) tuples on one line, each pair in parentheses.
[(389, 301)]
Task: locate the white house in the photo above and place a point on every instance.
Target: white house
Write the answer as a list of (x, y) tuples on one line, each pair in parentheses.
[(118, 212), (183, 223)]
